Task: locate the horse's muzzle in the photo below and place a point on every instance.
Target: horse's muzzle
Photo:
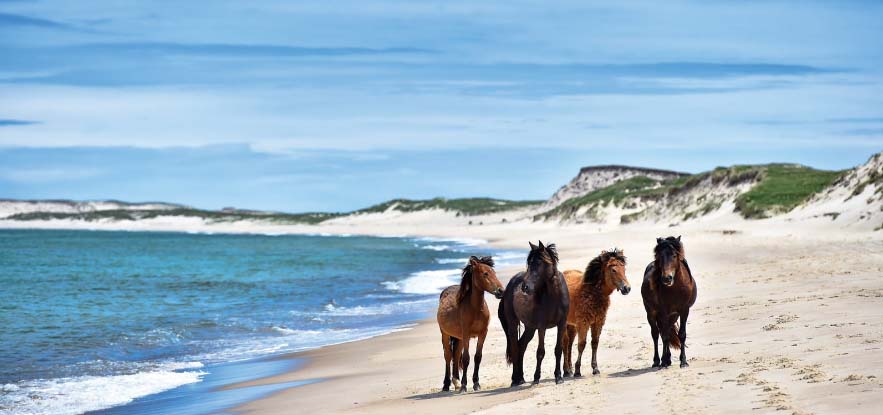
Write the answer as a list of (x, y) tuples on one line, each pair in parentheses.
[(668, 280), (498, 293), (625, 290)]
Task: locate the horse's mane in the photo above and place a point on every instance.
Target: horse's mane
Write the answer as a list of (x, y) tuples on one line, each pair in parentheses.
[(466, 281), (548, 255), (669, 243), (593, 270)]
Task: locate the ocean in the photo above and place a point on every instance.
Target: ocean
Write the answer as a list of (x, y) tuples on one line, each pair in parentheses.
[(93, 320)]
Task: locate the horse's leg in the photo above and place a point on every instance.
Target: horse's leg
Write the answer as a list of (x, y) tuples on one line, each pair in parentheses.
[(475, 385), (541, 352), (464, 361), (515, 348), (569, 336), (457, 350), (596, 335), (446, 345), (583, 332), (526, 337), (654, 332), (562, 327), (682, 335), (665, 332)]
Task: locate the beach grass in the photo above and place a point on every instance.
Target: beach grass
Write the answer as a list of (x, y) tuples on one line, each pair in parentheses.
[(210, 215), (463, 206), (781, 188)]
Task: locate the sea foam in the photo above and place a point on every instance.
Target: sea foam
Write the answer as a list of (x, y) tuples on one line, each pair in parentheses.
[(76, 395), (425, 282)]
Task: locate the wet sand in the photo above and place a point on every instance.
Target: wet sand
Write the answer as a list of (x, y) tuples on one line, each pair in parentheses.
[(787, 321)]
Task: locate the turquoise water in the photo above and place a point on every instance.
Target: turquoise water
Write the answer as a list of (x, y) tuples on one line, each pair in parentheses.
[(93, 320)]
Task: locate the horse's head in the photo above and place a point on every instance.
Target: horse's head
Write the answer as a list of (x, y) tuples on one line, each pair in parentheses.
[(608, 269), (542, 262), (484, 277), (479, 274), (668, 253)]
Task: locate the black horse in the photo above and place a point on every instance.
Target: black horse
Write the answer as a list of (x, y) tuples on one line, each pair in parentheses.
[(539, 299), (669, 291)]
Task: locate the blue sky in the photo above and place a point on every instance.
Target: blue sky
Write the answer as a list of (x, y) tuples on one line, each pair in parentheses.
[(337, 105)]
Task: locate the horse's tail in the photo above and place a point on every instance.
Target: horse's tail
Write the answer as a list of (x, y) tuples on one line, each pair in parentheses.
[(501, 313), (674, 341)]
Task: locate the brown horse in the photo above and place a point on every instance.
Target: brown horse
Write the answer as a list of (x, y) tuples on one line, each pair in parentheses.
[(669, 291), (589, 301), (463, 314), (539, 299)]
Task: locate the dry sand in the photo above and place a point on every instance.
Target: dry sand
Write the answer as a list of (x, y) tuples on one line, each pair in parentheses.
[(788, 319)]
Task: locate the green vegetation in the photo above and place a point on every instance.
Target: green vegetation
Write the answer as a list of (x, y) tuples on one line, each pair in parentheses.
[(707, 208), (637, 186), (630, 217), (214, 216), (875, 178), (465, 206), (781, 188), (777, 188)]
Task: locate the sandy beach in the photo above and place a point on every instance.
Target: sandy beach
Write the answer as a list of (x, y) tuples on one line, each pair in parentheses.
[(787, 319)]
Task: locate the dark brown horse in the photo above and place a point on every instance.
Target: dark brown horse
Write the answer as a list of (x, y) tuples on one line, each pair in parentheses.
[(589, 301), (669, 291), (463, 314), (539, 299)]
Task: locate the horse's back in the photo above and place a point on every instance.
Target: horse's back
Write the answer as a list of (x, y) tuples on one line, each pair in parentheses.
[(516, 279), (448, 313), (574, 279)]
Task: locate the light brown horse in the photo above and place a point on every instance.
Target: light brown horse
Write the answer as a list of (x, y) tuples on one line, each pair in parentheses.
[(463, 314), (589, 301)]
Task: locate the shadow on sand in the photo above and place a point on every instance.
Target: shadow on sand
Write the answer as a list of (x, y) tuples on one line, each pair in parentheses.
[(633, 372), (488, 392)]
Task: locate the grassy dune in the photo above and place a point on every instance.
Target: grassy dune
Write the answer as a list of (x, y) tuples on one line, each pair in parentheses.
[(777, 188), (464, 206)]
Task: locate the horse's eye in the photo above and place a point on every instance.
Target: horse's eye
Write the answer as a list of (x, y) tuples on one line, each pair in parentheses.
[(486, 274)]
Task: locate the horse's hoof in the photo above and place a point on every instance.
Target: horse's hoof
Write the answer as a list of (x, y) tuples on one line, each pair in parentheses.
[(516, 383), (476, 387), (684, 364), (536, 382), (596, 372), (456, 384), (567, 374), (462, 389), (559, 381), (655, 364), (578, 375), (446, 389)]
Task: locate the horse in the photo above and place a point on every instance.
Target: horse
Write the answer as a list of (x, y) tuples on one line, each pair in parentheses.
[(668, 291), (589, 300), (463, 314), (538, 298)]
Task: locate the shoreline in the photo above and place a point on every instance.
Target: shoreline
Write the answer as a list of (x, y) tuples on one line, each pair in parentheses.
[(201, 388), (400, 372)]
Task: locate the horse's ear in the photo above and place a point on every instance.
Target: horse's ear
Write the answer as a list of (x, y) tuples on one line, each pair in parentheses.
[(658, 240), (541, 245), (603, 251), (679, 238), (532, 246)]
